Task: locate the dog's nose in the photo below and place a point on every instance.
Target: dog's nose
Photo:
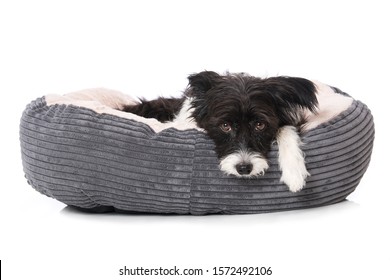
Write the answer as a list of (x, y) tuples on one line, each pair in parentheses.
[(244, 168)]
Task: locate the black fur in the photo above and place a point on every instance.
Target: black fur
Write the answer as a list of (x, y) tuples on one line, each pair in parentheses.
[(240, 102), (162, 109)]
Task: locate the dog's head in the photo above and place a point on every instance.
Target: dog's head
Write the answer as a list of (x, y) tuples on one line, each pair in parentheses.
[(242, 114)]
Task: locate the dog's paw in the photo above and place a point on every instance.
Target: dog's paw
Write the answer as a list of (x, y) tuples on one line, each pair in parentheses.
[(295, 179), (291, 159)]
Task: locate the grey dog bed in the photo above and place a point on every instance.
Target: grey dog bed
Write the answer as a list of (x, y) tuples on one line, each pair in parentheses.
[(100, 161)]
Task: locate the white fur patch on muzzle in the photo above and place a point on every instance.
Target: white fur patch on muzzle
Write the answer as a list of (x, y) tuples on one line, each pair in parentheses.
[(231, 163)]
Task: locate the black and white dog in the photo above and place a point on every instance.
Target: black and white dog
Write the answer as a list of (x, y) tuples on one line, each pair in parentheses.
[(243, 115)]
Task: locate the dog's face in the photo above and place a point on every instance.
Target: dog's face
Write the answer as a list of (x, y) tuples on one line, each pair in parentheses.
[(242, 115)]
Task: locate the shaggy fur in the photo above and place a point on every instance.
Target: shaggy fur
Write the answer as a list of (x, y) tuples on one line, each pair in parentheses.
[(243, 115), (162, 109)]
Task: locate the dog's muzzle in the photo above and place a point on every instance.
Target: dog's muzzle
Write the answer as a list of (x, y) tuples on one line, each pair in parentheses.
[(244, 163)]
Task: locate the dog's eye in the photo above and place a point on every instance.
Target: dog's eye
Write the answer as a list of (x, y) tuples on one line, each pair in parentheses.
[(259, 126), (226, 127)]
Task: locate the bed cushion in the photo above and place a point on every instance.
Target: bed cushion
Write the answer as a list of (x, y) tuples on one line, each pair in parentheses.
[(100, 159)]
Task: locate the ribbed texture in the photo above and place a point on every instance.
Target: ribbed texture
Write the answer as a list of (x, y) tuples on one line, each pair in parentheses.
[(103, 163)]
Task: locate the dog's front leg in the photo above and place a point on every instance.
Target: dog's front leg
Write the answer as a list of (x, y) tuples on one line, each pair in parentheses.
[(291, 158)]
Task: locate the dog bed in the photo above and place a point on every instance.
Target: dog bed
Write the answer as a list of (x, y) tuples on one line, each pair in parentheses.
[(82, 151)]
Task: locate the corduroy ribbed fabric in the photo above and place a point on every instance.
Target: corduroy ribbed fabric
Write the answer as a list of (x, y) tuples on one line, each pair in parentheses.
[(103, 162)]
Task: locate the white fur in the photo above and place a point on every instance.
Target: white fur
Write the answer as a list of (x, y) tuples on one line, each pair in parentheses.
[(184, 118), (228, 164), (185, 112), (330, 104), (291, 159)]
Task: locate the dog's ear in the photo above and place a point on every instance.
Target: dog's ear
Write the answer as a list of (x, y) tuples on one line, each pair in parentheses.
[(202, 82), (199, 85), (289, 95), (291, 92)]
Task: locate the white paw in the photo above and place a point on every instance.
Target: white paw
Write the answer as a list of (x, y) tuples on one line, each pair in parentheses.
[(291, 159), (295, 179)]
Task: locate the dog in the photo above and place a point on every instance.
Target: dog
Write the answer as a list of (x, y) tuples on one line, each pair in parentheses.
[(244, 115)]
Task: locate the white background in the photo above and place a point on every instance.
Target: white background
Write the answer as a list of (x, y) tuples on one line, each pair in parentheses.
[(148, 48)]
